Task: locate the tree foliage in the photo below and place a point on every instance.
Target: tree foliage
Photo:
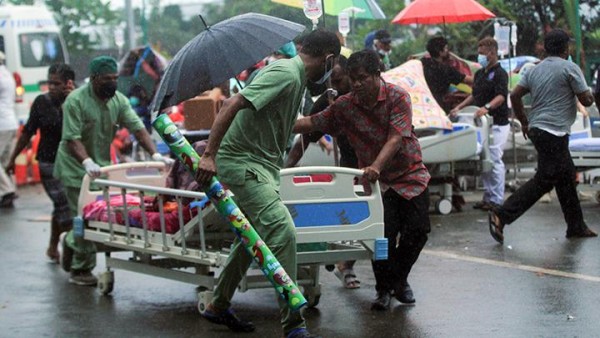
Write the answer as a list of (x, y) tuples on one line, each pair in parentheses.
[(73, 15)]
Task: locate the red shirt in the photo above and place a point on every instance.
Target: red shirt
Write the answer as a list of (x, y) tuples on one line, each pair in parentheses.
[(368, 130)]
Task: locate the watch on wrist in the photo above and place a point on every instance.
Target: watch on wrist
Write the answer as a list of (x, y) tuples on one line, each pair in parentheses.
[(488, 106)]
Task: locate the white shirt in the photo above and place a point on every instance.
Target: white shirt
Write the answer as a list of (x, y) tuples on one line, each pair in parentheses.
[(8, 117)]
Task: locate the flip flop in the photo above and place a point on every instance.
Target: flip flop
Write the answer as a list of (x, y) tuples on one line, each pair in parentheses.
[(495, 228), (348, 278)]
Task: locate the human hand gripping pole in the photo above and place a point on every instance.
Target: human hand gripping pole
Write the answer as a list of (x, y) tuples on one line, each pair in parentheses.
[(239, 224)]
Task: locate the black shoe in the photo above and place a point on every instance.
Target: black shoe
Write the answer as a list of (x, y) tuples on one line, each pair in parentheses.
[(301, 333), (481, 205), (67, 254), (585, 232), (229, 319), (382, 302), (7, 201), (404, 294)]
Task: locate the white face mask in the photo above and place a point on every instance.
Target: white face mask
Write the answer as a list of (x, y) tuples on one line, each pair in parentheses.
[(383, 52)]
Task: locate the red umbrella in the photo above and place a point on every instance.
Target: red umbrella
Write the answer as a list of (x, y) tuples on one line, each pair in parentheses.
[(430, 12)]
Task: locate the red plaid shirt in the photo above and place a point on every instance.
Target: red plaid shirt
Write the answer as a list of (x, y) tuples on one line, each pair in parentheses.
[(368, 131)]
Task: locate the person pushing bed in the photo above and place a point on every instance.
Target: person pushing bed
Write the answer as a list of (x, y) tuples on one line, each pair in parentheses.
[(91, 115), (247, 144)]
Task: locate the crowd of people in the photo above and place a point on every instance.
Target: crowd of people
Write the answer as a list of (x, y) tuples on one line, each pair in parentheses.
[(370, 119)]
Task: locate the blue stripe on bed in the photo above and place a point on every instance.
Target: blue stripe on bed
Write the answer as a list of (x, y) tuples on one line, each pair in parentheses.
[(328, 214)]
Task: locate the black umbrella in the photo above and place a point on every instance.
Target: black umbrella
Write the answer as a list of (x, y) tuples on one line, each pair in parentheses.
[(219, 53)]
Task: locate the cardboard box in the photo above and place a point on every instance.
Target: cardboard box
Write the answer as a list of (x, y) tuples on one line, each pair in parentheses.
[(200, 111)]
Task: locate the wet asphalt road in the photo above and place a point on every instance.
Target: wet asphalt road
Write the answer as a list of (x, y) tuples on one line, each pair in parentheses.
[(538, 284)]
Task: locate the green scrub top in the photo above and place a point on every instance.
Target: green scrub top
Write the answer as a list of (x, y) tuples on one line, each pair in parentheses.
[(93, 122), (257, 138)]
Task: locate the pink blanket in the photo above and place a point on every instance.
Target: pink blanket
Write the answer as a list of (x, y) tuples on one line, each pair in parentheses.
[(97, 211)]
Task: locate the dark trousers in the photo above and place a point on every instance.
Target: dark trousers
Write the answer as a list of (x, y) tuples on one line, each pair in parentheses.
[(406, 228), (555, 169)]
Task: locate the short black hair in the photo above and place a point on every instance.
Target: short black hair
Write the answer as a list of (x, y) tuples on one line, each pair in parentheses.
[(321, 42), (556, 42), (435, 46), (366, 59), (383, 36), (64, 71)]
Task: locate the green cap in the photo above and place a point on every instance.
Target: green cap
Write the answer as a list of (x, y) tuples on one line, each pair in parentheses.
[(103, 65), (289, 50)]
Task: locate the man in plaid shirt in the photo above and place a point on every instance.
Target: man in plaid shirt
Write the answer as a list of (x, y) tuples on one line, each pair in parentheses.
[(377, 119)]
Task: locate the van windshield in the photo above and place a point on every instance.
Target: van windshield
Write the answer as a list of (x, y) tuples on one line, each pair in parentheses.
[(40, 49)]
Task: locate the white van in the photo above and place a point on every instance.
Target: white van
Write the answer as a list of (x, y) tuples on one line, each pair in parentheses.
[(31, 41)]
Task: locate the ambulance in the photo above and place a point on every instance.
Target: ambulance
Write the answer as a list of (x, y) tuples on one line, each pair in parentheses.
[(31, 41)]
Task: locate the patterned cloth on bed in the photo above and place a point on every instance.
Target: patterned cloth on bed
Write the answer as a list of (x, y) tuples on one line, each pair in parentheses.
[(97, 211)]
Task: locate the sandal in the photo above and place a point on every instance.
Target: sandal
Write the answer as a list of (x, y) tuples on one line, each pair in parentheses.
[(496, 227), (348, 278)]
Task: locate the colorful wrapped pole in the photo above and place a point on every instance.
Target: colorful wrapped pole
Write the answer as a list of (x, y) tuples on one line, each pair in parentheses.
[(240, 225)]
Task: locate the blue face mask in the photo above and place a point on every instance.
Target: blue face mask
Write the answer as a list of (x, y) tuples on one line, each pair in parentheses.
[(482, 60)]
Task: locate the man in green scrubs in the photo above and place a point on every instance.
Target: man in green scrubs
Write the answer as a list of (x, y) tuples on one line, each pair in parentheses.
[(91, 116), (246, 148)]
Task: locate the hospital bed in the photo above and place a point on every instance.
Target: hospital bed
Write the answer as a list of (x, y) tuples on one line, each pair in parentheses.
[(585, 153), (464, 150), (335, 220), (520, 153), (448, 154)]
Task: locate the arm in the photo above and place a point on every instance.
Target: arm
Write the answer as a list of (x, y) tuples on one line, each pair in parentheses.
[(296, 152), (516, 98), (21, 144), (466, 102), (77, 150), (145, 140), (304, 125), (585, 98), (468, 80), (207, 167), (390, 148), (496, 102)]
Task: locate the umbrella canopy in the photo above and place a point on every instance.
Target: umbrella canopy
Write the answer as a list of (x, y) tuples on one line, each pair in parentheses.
[(360, 9), (219, 53), (426, 111), (431, 12)]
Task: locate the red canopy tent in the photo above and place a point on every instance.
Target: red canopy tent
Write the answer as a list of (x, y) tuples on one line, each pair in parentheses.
[(431, 12)]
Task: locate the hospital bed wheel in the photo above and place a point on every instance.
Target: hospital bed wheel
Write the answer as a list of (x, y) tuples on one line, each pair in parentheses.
[(204, 298), (312, 295), (443, 206), (106, 282)]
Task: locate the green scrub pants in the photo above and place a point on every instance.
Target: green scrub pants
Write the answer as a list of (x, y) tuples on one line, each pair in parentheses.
[(262, 205), (84, 252)]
